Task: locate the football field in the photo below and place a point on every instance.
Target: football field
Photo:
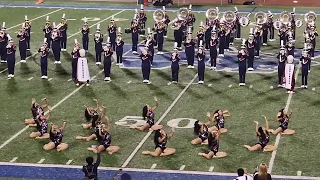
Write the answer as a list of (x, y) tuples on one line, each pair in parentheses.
[(179, 104)]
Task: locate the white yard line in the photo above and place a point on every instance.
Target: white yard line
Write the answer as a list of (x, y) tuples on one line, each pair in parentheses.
[(145, 170), (158, 122), (71, 36), (274, 153)]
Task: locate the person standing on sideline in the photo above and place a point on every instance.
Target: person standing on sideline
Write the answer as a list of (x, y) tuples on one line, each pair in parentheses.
[(175, 58), (22, 45), (98, 39), (201, 63), (75, 55), (119, 47), (83, 74), (44, 51), (305, 59), (85, 35), (91, 169), (145, 65), (242, 60), (11, 56), (107, 60), (242, 175)]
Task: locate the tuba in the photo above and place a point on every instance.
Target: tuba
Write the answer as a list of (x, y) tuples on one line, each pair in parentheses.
[(212, 14), (182, 15), (310, 17), (261, 18), (285, 17), (229, 17), (159, 16)]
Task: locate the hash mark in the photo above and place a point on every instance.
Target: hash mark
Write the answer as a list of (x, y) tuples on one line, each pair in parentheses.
[(153, 166), (41, 161), (30, 78), (211, 168), (13, 160), (182, 167)]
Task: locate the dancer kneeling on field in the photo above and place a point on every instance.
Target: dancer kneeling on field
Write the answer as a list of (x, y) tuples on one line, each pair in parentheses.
[(92, 115), (219, 118), (283, 119), (42, 126), (213, 143), (36, 110), (160, 140), (262, 133), (95, 134), (105, 140), (56, 135)]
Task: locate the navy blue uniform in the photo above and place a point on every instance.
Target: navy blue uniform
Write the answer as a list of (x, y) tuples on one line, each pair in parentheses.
[(106, 140), (263, 141), (11, 58), (213, 52), (44, 52), (56, 45), (119, 51), (167, 21), (162, 145), (112, 30), (214, 146), (47, 34), (281, 66), (142, 20), (270, 28), (175, 58), (85, 38), (207, 34), (242, 60), (43, 127), (305, 69), (98, 39), (134, 37), (284, 122), (28, 35), (227, 37), (75, 55), (257, 39), (238, 27), (283, 36), (290, 50), (63, 29), (201, 65), (150, 47), (22, 45), (313, 42), (107, 62), (190, 52), (190, 21), (160, 37), (56, 138), (251, 52), (265, 33), (222, 41), (204, 135), (178, 34), (145, 66), (3, 44), (219, 122), (200, 36), (150, 118)]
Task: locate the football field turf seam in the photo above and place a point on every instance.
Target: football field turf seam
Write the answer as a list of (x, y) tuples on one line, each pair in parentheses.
[(66, 97), (158, 122), (71, 36), (274, 153)]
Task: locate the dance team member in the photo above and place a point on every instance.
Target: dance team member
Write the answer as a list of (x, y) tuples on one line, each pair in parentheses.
[(56, 136), (213, 143), (42, 126), (219, 118), (36, 109), (283, 119)]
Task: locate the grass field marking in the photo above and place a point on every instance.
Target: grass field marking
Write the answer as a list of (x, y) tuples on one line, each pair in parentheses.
[(209, 85), (169, 83), (271, 87), (41, 161), (153, 166), (250, 86), (182, 167), (69, 80), (145, 170), (49, 79), (158, 122), (230, 86), (69, 162), (313, 89), (274, 153), (128, 82), (13, 160), (33, 54), (36, 18), (30, 78), (211, 168)]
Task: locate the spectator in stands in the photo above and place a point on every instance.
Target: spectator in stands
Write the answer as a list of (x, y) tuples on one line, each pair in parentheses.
[(262, 173), (162, 2), (91, 170), (242, 175)]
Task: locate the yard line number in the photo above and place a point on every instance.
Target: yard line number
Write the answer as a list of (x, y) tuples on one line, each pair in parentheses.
[(182, 123)]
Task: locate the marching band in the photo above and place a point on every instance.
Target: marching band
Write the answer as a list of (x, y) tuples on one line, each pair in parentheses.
[(216, 35)]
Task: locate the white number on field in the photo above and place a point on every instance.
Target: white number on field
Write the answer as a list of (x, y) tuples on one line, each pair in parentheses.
[(91, 19), (130, 120), (175, 123)]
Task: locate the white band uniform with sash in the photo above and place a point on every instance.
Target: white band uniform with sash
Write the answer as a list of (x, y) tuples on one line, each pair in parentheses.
[(83, 74), (289, 74)]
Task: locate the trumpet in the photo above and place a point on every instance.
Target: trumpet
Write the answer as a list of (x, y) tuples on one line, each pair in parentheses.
[(97, 36), (119, 39), (54, 35), (1, 34), (21, 31)]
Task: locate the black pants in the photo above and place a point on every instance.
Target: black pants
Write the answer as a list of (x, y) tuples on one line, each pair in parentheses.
[(213, 57), (23, 49), (107, 67), (74, 65), (280, 72), (271, 31), (145, 67), (250, 61), (64, 41), (175, 71), (11, 63), (304, 75), (3, 53), (85, 43), (44, 66), (119, 57), (201, 69)]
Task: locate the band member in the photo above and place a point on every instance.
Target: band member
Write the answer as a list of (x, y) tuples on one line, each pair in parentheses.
[(160, 28), (56, 45), (107, 60), (3, 43), (213, 49), (148, 114), (289, 75), (11, 56), (190, 18), (270, 26), (282, 57), (27, 27), (222, 39), (250, 44), (310, 49), (228, 36), (166, 21), (142, 18), (74, 64), (200, 33), (283, 34), (42, 126), (160, 140), (237, 25), (112, 30), (145, 65), (189, 49), (85, 35), (36, 110), (63, 27), (263, 134), (44, 52), (175, 58), (213, 144), (257, 38), (293, 23), (149, 44), (56, 135), (201, 63), (265, 34), (119, 47), (178, 32), (47, 29), (242, 59), (135, 34), (290, 48), (83, 74), (98, 39), (313, 35), (283, 118), (207, 35), (22, 34), (305, 60)]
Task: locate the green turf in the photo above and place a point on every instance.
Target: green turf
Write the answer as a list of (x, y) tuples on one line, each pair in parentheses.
[(122, 99)]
